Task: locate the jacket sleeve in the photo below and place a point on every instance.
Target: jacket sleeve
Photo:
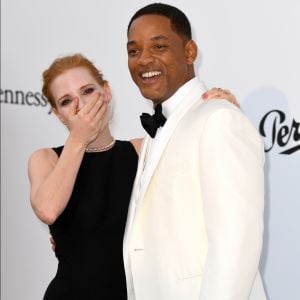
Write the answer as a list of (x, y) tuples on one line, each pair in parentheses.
[(231, 168)]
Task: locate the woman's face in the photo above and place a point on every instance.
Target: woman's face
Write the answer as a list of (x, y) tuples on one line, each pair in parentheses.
[(72, 84)]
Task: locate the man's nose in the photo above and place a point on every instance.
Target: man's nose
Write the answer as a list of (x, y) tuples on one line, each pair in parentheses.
[(145, 57)]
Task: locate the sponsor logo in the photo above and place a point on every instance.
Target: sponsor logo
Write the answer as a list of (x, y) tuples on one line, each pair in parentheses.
[(18, 97), (277, 131)]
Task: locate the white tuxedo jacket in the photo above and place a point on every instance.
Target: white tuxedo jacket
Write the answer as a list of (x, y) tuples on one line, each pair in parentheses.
[(194, 230)]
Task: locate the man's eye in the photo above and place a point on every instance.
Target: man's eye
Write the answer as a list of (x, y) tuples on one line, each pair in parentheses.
[(88, 91), (132, 52), (160, 47)]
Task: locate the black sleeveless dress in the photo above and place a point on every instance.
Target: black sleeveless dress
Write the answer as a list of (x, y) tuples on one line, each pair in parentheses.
[(89, 233)]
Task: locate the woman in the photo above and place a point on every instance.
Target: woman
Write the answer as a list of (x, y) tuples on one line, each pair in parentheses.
[(82, 189)]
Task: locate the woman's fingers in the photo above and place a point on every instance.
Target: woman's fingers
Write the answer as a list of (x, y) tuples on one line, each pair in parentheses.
[(218, 93), (96, 107), (101, 114), (91, 103), (74, 107)]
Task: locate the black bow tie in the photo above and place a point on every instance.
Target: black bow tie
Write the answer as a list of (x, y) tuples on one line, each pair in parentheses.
[(151, 123)]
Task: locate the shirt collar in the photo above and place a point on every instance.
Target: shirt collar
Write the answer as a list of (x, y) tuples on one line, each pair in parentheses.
[(169, 105)]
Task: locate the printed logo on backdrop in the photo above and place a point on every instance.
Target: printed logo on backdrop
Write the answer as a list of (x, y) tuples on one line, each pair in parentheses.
[(269, 108), (281, 132), (19, 97)]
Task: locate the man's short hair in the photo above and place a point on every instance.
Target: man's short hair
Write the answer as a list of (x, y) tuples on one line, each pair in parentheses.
[(179, 22)]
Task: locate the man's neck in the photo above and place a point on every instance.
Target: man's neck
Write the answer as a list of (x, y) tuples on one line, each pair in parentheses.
[(171, 103)]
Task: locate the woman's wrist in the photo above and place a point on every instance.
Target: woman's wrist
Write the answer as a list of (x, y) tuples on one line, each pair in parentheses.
[(75, 143)]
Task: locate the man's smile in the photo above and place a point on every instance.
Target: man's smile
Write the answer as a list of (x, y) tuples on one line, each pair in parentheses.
[(150, 77)]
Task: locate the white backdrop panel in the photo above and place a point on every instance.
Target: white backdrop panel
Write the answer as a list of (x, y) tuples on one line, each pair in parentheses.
[(251, 47)]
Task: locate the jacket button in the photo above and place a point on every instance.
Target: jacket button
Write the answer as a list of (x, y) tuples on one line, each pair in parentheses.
[(138, 249)]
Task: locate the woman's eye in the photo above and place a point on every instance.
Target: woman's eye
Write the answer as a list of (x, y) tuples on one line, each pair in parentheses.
[(88, 91), (65, 102)]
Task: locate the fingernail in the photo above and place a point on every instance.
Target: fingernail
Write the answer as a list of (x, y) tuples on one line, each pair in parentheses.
[(204, 96)]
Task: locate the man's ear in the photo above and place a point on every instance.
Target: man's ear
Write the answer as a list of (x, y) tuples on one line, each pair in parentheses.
[(107, 92), (191, 52)]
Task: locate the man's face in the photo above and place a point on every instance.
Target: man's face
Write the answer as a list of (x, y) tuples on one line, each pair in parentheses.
[(160, 61)]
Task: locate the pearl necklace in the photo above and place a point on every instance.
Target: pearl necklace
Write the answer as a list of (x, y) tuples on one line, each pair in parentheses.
[(102, 148)]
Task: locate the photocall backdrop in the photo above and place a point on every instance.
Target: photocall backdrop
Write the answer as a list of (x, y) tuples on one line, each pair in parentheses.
[(250, 47)]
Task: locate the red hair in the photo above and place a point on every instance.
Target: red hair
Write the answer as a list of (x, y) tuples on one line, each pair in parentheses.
[(63, 64)]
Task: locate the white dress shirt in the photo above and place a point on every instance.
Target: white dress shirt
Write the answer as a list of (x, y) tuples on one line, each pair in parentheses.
[(168, 107)]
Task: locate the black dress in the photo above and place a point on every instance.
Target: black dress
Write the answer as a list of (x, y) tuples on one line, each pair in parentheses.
[(89, 233)]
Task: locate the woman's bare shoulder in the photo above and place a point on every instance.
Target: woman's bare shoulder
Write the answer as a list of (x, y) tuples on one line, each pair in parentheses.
[(137, 143), (42, 156)]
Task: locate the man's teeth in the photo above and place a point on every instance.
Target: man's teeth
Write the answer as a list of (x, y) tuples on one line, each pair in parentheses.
[(150, 74)]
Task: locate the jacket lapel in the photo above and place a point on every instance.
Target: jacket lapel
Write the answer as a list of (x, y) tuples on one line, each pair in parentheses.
[(192, 97), (136, 185)]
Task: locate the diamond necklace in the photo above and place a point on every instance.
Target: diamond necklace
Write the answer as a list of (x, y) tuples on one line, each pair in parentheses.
[(102, 148)]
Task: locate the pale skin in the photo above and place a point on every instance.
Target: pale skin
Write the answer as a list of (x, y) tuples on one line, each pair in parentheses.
[(82, 105)]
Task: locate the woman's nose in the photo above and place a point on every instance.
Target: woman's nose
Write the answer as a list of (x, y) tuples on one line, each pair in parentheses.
[(81, 102)]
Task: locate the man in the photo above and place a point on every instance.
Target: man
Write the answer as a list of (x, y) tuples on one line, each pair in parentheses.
[(195, 222)]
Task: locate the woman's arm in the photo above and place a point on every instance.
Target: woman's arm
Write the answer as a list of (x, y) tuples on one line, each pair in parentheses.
[(52, 179)]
